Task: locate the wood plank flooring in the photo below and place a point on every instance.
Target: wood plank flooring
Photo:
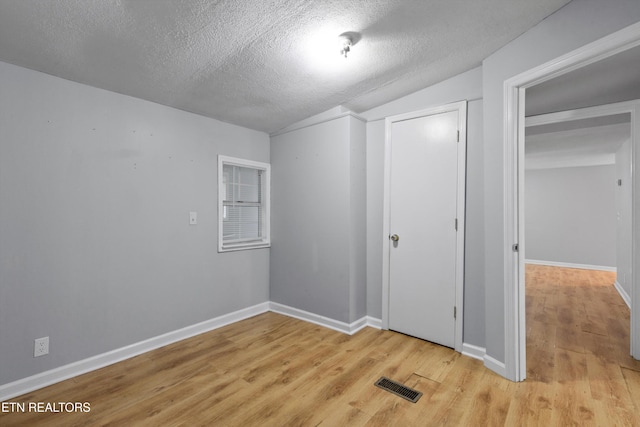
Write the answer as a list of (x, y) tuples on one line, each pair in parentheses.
[(272, 370)]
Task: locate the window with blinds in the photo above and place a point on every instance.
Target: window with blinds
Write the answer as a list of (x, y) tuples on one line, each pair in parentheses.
[(243, 201)]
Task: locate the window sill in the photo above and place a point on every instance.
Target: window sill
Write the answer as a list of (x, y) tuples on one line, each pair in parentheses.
[(244, 247)]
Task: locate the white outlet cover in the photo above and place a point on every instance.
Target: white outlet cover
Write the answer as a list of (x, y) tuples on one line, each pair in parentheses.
[(41, 346), (193, 218)]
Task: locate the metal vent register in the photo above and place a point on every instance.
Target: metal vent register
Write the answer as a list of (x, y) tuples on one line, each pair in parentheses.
[(398, 389)]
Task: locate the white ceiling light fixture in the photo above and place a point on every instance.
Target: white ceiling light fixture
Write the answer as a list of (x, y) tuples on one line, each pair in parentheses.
[(347, 41), (321, 48), (345, 44)]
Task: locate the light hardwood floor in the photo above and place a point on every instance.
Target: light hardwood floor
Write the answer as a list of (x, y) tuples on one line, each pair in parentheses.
[(272, 370)]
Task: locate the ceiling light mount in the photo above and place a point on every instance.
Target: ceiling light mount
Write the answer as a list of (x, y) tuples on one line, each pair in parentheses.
[(347, 41), (345, 45)]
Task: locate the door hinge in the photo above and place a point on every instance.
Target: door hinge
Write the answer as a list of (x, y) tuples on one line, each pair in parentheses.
[(455, 312), (458, 137), (456, 224), (515, 247)]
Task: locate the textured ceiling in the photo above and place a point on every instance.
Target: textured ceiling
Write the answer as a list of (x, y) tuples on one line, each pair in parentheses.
[(260, 64)]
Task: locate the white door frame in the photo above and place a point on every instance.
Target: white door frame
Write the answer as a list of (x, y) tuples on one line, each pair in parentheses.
[(513, 177), (461, 108)]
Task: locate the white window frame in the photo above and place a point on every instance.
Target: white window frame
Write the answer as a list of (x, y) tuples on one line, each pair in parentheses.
[(265, 240)]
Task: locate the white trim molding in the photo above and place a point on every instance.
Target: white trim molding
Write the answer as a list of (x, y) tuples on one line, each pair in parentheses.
[(495, 365), (336, 325), (623, 294), (373, 322), (513, 179), (571, 265), (580, 113), (474, 351), (26, 385)]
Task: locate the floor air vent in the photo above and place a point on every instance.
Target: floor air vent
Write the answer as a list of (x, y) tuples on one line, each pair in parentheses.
[(398, 389)]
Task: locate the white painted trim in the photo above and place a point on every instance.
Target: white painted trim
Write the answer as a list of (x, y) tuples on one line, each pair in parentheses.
[(461, 108), (570, 265), (380, 118), (578, 162), (336, 325), (514, 367), (358, 325), (373, 322), (474, 351), (495, 365), (462, 221), (623, 294), (43, 379), (513, 203), (580, 113), (635, 232)]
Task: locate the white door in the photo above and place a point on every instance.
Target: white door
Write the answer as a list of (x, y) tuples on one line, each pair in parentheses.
[(424, 224)]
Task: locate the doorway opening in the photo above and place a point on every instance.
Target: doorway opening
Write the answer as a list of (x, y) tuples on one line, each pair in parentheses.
[(515, 94), (578, 228)]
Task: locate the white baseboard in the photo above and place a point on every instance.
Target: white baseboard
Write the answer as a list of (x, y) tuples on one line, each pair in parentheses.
[(357, 325), (571, 265), (625, 296), (43, 379), (473, 351), (495, 365), (374, 322), (336, 325)]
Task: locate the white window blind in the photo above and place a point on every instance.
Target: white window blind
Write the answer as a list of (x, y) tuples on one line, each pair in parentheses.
[(244, 204)]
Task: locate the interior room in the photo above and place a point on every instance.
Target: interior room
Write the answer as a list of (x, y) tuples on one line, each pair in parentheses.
[(575, 197), (205, 201)]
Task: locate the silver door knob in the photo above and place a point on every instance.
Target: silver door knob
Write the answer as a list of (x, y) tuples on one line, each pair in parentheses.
[(395, 237)]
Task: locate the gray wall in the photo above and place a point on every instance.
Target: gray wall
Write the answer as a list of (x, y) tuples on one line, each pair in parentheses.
[(318, 219), (375, 182), (95, 247), (623, 217), (578, 23), (358, 205), (464, 86), (570, 215)]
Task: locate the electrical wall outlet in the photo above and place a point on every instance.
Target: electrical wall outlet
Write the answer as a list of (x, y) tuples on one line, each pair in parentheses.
[(193, 218), (41, 347)]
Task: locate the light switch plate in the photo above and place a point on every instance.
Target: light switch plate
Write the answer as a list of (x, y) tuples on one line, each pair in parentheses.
[(193, 218)]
